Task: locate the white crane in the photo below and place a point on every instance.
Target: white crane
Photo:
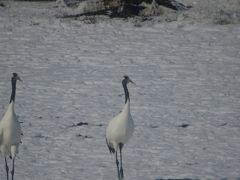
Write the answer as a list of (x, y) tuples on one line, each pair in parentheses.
[(10, 130), (120, 129)]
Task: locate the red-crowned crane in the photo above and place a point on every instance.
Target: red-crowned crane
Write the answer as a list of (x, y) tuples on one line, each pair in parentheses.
[(120, 129), (10, 130)]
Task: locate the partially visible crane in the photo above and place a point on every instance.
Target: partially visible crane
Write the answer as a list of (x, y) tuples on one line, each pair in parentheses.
[(120, 129), (10, 130)]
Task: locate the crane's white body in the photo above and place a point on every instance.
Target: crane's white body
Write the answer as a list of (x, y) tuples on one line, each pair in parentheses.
[(120, 128), (10, 132)]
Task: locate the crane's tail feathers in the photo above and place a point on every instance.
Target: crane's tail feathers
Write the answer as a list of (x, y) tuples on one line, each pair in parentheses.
[(111, 149)]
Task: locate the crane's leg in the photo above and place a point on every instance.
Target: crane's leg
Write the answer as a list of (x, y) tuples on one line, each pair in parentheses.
[(7, 169), (117, 163), (12, 172), (121, 167)]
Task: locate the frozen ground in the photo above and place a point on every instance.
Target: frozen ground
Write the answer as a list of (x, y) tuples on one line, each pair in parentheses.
[(185, 104)]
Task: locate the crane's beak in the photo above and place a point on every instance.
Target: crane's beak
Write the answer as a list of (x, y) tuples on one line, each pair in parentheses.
[(132, 81), (18, 78)]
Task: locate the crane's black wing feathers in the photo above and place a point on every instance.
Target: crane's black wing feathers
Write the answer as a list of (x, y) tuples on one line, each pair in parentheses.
[(111, 149)]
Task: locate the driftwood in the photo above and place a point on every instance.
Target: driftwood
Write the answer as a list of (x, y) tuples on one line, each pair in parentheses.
[(133, 7), (128, 11), (172, 4), (128, 8)]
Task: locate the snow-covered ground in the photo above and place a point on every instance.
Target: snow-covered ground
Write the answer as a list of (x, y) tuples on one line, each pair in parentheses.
[(185, 104)]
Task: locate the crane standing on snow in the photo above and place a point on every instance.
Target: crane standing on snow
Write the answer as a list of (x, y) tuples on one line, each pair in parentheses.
[(10, 130), (120, 129)]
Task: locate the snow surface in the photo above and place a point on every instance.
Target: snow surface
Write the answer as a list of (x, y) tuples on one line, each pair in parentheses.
[(185, 104)]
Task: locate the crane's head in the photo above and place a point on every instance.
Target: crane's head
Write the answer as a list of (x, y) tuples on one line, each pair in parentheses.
[(16, 77), (127, 80)]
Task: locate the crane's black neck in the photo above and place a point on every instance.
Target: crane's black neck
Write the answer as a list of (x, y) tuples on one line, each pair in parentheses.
[(14, 82), (124, 83)]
